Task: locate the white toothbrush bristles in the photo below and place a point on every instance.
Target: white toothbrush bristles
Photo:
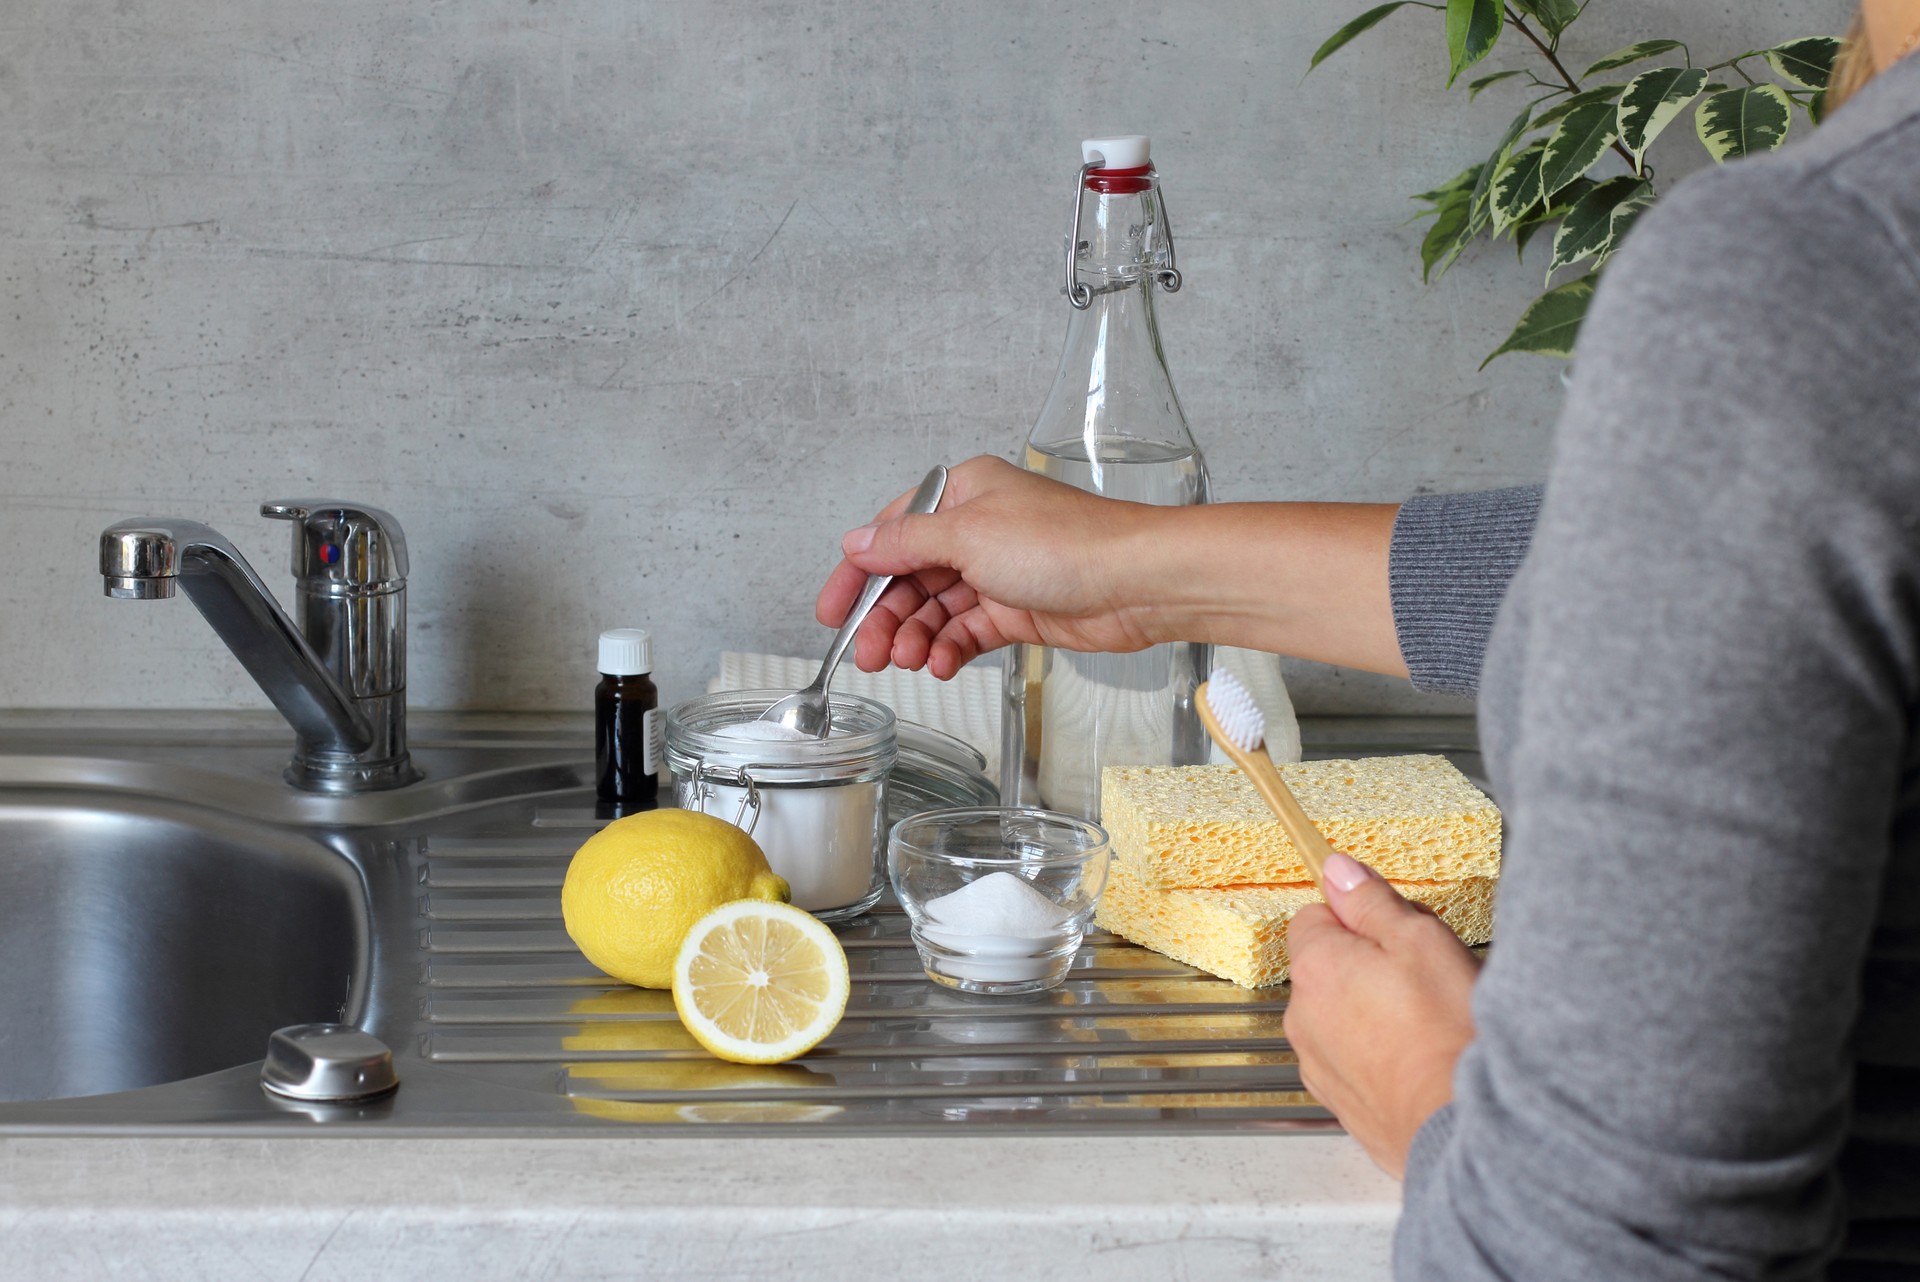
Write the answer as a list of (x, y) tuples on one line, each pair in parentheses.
[(1239, 716)]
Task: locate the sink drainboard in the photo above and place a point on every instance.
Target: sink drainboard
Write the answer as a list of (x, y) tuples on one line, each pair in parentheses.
[(1131, 1037)]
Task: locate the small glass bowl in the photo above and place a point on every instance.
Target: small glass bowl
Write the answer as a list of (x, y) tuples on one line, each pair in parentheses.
[(1008, 937)]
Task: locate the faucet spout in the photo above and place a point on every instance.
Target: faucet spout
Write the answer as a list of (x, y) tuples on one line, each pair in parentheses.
[(144, 560)]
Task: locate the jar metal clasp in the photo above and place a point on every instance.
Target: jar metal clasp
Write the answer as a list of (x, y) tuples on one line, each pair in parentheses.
[(702, 779)]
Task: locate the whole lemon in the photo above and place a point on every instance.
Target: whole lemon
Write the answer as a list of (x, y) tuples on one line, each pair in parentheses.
[(638, 885)]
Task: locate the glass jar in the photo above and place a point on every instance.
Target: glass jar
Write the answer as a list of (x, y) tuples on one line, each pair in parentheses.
[(817, 807)]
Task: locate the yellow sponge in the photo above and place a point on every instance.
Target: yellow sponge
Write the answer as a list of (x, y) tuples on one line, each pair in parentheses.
[(1240, 932), (1414, 818)]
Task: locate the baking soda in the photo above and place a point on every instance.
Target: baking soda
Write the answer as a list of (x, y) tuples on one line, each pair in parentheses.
[(998, 930), (821, 838), (998, 904)]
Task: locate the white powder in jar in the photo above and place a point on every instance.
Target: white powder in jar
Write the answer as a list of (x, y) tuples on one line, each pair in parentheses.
[(762, 732), (823, 838)]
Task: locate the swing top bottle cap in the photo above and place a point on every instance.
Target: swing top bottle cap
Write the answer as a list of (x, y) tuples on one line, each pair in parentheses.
[(1121, 151)]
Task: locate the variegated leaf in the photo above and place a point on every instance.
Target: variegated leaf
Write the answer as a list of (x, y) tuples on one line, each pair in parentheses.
[(1516, 188), (1567, 106), (1632, 54), (1554, 16), (1525, 229), (1462, 181), (1358, 26), (1743, 122), (1485, 183), (1807, 62), (1652, 102), (1474, 87), (1551, 324), (1576, 143), (1620, 221), (1447, 237), (1473, 28), (1587, 226)]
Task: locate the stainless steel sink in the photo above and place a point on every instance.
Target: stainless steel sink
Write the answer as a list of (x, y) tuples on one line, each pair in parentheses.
[(144, 941), (166, 901)]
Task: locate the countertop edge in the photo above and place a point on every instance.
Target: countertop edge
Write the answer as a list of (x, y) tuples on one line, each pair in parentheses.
[(952, 1207)]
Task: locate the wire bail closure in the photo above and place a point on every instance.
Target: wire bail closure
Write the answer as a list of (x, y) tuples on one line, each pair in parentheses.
[(1078, 292), (703, 777)]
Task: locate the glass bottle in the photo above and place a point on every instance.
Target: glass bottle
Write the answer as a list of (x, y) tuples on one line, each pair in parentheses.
[(626, 720), (1111, 424)]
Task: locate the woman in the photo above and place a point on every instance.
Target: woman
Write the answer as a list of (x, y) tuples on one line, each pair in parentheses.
[(1695, 1051)]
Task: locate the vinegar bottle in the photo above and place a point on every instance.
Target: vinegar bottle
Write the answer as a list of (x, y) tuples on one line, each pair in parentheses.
[(1113, 425)]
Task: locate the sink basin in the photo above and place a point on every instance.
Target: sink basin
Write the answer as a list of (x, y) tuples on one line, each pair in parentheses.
[(144, 942)]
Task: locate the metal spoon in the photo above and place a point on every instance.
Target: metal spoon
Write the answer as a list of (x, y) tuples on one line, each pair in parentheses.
[(806, 710)]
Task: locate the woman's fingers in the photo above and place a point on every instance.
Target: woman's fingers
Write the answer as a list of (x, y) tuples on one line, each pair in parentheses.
[(837, 594), (915, 637), (968, 634), (873, 646)]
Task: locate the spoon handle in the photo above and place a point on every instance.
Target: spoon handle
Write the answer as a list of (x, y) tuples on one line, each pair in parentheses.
[(925, 499)]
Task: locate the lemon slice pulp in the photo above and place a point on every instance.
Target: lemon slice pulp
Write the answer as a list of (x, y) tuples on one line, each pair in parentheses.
[(757, 982)]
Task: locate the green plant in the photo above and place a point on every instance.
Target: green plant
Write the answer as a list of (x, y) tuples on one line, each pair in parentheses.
[(1543, 169)]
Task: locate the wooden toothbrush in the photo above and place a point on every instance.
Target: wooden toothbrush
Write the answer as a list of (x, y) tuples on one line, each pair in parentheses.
[(1238, 726)]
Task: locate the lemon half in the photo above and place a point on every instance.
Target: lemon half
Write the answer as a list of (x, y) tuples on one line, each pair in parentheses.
[(758, 983)]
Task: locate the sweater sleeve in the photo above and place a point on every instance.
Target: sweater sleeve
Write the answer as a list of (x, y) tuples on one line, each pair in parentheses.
[(1696, 709), (1448, 567)]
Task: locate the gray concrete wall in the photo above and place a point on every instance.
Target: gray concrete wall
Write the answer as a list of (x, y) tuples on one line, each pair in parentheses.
[(628, 309)]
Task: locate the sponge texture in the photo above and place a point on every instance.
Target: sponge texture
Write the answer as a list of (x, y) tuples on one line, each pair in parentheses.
[(1412, 818), (1240, 932)]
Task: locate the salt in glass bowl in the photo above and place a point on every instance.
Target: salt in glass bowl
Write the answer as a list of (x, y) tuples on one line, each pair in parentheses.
[(999, 936)]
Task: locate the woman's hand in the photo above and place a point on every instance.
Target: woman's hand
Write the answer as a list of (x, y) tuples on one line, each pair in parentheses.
[(1380, 1008), (1014, 558), (1010, 557)]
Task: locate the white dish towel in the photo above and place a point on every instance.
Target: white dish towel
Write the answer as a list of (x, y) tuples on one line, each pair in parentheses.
[(968, 707)]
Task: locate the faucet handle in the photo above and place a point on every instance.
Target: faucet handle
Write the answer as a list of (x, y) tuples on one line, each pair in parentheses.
[(343, 546)]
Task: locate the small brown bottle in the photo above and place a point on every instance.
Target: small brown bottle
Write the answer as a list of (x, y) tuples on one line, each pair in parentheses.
[(626, 721)]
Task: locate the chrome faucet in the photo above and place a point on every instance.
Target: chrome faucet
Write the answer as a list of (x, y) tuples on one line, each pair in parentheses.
[(338, 675)]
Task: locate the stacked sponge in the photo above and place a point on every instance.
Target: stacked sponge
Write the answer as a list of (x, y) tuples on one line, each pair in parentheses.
[(1204, 873)]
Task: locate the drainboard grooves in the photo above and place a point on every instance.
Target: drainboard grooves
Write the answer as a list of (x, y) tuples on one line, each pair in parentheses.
[(1225, 1052), (1130, 1040)]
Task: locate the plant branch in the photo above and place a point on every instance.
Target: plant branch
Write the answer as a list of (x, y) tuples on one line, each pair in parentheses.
[(1519, 24), (1573, 86)]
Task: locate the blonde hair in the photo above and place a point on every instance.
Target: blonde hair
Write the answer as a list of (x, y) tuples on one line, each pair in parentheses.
[(1852, 67)]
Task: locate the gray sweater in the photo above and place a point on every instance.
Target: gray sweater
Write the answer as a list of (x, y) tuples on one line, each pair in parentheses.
[(1698, 1035)]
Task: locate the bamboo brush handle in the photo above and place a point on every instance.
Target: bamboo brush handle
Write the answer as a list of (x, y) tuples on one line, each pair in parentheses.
[(1258, 766), (1307, 839)]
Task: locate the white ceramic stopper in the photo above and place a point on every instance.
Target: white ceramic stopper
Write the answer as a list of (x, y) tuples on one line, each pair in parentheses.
[(1122, 151)]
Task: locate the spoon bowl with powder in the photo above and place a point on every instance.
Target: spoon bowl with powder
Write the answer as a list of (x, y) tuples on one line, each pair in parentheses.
[(999, 899)]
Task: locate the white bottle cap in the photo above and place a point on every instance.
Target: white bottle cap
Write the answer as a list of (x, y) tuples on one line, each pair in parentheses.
[(626, 652), (1123, 151)]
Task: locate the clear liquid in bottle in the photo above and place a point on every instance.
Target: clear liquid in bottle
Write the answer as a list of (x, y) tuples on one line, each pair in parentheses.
[(1079, 712)]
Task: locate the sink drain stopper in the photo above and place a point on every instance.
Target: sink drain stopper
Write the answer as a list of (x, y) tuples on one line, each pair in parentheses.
[(327, 1062)]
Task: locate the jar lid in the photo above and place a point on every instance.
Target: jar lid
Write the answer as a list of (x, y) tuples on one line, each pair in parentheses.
[(626, 652)]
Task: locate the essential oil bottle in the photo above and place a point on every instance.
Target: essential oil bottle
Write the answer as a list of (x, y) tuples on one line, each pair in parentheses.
[(627, 727)]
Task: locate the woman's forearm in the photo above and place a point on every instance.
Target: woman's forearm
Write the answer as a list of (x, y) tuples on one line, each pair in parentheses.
[(1304, 579)]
